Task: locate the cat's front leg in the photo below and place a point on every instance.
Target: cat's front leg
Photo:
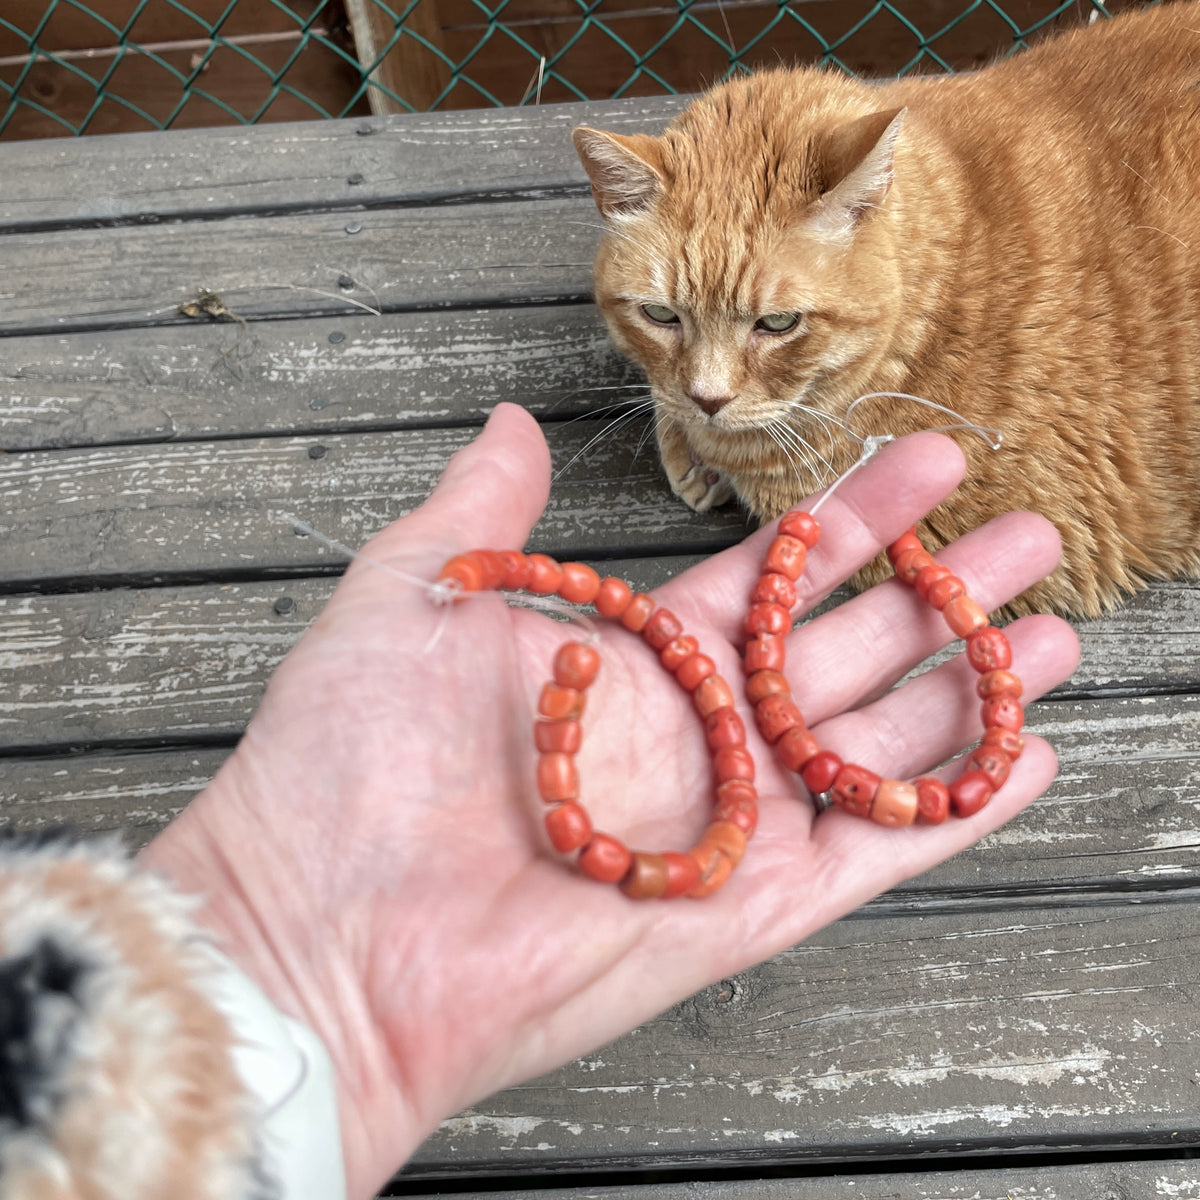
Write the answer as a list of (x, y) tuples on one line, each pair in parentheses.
[(697, 484)]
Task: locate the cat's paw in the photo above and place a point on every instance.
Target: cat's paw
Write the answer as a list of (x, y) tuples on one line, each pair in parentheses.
[(701, 487)]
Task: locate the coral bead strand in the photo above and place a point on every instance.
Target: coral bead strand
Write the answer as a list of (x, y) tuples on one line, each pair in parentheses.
[(558, 733)]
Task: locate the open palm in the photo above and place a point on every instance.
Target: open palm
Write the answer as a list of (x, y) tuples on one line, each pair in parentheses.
[(372, 853)]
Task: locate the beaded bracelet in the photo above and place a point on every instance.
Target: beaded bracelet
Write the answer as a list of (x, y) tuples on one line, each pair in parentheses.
[(700, 871)]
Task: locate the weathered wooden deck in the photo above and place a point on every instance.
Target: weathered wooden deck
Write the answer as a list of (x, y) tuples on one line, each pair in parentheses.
[(1021, 1022)]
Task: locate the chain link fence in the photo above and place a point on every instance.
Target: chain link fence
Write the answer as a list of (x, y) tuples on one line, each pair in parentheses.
[(73, 67)]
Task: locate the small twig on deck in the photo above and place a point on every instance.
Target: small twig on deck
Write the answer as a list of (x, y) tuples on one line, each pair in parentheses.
[(209, 304)]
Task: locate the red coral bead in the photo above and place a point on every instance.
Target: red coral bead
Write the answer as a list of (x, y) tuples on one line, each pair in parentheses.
[(693, 671), (575, 665), (854, 788), (802, 525), (569, 827), (796, 747), (907, 541), (557, 777), (737, 803), (964, 616), (969, 793), (820, 771), (933, 800), (637, 612), (992, 762), (675, 654), (612, 596), (762, 684), (544, 574), (942, 591), (1007, 740), (683, 874), (998, 683), (733, 762), (911, 563), (1003, 710), (767, 652), (517, 571), (773, 588), (579, 583), (724, 728), (988, 649), (563, 737), (712, 695), (786, 556), (492, 564), (647, 877), (662, 628), (928, 576), (561, 703), (767, 618), (775, 715), (604, 859)]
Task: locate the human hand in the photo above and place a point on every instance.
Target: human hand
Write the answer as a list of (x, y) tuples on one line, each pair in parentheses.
[(372, 852)]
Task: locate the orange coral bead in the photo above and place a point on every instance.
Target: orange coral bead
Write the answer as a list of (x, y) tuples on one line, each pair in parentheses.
[(683, 874), (712, 695), (737, 803), (988, 649), (942, 591), (604, 859), (1003, 710), (517, 571), (579, 583), (895, 804), (575, 665), (637, 612), (801, 525), (494, 567), (733, 762), (767, 618), (675, 654), (1007, 740), (773, 588), (715, 870), (933, 800), (767, 652), (561, 703), (775, 715), (612, 596), (563, 737), (786, 556), (467, 572), (997, 683), (661, 629), (569, 827), (907, 541), (647, 877), (762, 684), (545, 574), (729, 838), (796, 748), (928, 576), (854, 788), (693, 671), (911, 563), (557, 777), (724, 728), (964, 616)]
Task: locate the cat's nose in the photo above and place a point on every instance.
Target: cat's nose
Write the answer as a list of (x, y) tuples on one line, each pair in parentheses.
[(708, 402)]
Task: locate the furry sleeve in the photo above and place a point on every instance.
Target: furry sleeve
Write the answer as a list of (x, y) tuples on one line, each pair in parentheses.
[(120, 1037)]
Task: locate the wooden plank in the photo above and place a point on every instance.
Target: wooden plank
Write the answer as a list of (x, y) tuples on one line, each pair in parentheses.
[(463, 255), (325, 375), (887, 1037), (401, 64), (347, 164), (136, 513), (1163, 1179)]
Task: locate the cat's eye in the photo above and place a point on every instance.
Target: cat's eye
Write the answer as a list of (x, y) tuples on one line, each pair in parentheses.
[(660, 314), (777, 322)]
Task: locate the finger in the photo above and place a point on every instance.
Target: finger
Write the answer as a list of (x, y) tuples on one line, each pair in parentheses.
[(871, 508), (848, 655), (490, 495), (933, 716)]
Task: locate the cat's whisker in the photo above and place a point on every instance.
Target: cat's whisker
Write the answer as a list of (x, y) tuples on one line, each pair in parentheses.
[(637, 402), (611, 428), (798, 451)]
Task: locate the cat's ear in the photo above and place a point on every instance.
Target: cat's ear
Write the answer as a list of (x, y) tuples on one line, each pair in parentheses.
[(857, 168), (624, 170)]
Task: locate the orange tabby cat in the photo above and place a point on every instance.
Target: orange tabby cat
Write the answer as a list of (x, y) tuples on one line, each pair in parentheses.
[(1021, 244)]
